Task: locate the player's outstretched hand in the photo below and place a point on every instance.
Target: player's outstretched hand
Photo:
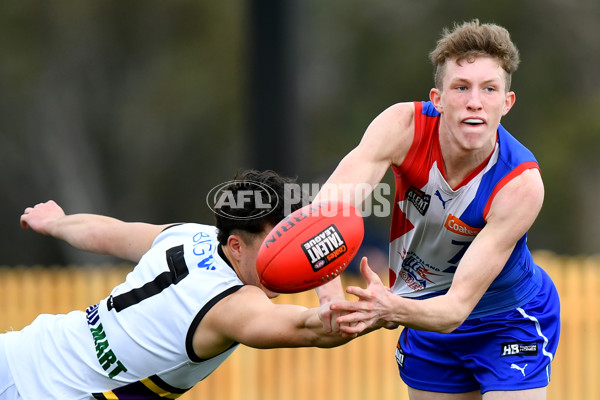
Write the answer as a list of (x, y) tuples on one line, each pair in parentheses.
[(329, 318), (374, 308), (41, 217)]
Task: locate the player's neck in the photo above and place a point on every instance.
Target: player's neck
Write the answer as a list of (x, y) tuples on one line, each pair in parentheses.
[(458, 165), (231, 259)]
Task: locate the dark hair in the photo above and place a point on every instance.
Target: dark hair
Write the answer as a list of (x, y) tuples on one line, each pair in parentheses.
[(250, 217), (470, 40)]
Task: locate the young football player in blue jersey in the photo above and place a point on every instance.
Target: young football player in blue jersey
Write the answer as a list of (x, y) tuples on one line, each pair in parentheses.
[(193, 296), (481, 320)]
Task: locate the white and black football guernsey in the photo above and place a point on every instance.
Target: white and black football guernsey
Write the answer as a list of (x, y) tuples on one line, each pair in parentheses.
[(137, 342)]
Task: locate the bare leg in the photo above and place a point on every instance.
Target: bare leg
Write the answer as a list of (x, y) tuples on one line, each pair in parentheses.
[(531, 394), (415, 394)]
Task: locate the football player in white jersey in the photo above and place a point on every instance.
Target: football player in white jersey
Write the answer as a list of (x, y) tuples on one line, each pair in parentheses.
[(474, 306), (193, 296)]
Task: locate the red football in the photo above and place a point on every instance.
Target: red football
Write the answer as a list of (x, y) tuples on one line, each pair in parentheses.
[(310, 247)]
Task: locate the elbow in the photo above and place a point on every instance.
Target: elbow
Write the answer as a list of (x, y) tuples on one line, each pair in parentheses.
[(449, 327), (456, 310), (453, 320)]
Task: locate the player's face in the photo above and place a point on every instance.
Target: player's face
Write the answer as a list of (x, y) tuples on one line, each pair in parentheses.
[(472, 101), (248, 262)]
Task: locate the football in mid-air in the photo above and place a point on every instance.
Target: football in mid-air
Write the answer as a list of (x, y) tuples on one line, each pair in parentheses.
[(310, 247)]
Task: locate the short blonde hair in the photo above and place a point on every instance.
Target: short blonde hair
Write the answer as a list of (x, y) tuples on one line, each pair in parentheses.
[(470, 40)]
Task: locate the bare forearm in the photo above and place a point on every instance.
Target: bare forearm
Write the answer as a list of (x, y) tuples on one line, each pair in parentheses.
[(318, 336), (88, 232), (268, 325), (438, 314), (106, 235), (379, 307)]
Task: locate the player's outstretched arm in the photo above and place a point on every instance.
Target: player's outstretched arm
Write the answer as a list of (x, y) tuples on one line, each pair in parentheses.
[(90, 232), (250, 318), (511, 214), (385, 142)]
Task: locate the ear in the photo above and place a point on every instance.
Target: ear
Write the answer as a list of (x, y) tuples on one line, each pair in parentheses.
[(509, 102), (234, 242), (435, 97)]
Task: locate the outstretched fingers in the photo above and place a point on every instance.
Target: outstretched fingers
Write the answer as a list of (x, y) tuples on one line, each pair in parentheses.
[(370, 310), (367, 272), (352, 314), (372, 279)]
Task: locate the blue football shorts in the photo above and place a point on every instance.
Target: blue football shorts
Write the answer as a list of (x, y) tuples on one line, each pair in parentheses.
[(505, 351)]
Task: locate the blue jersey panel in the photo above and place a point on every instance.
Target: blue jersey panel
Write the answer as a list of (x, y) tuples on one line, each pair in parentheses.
[(519, 280), (511, 155), (429, 109)]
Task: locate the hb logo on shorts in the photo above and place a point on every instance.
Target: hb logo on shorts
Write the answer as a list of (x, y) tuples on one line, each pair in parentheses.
[(519, 349)]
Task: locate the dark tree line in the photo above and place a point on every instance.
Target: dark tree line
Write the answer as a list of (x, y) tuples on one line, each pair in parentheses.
[(137, 109)]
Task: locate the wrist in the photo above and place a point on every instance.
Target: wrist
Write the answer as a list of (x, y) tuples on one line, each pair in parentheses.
[(331, 291)]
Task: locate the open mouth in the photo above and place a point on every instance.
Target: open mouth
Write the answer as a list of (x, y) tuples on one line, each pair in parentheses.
[(473, 121)]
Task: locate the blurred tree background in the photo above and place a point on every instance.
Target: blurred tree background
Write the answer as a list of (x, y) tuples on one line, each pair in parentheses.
[(136, 109)]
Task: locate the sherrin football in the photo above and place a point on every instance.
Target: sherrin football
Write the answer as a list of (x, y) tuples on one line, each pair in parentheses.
[(310, 247)]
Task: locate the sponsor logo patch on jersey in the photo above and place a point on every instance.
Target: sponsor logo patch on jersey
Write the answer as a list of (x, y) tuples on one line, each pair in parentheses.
[(106, 357), (454, 224), (519, 349), (399, 356), (417, 273), (419, 199), (324, 247)]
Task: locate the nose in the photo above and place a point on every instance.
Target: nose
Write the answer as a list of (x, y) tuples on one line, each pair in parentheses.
[(474, 100)]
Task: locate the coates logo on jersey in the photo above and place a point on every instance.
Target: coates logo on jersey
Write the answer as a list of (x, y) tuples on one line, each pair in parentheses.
[(324, 247), (454, 224), (228, 198)]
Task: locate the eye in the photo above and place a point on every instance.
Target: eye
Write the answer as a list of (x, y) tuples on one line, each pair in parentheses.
[(461, 88)]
